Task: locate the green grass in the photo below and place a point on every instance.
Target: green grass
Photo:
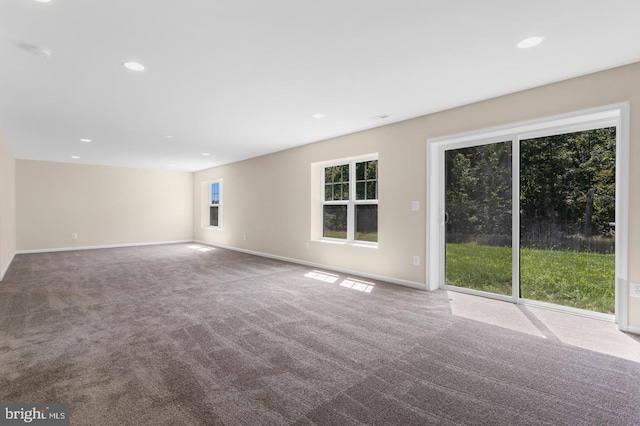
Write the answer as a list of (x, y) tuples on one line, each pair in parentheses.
[(360, 236), (335, 234), (479, 267), (579, 280), (367, 236)]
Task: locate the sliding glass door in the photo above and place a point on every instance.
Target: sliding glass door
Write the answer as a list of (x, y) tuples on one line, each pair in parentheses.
[(478, 228), (567, 219), (532, 218)]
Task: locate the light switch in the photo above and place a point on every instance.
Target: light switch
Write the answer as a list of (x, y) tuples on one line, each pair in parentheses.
[(415, 206)]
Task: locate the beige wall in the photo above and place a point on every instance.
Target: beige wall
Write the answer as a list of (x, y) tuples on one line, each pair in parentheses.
[(7, 206), (102, 205), (270, 199)]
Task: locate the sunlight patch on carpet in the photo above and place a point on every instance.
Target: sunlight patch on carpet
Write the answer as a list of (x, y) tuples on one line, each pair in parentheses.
[(198, 247), (322, 276), (357, 285)]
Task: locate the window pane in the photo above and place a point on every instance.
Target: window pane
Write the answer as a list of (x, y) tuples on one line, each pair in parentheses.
[(478, 205), (328, 174), (334, 222), (345, 172), (567, 219), (328, 192), (367, 222), (360, 169), (213, 216), (337, 192), (372, 170), (372, 190), (360, 190), (367, 180), (215, 193), (345, 191)]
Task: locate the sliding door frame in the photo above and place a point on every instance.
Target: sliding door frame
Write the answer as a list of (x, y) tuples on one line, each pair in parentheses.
[(608, 116), (467, 143)]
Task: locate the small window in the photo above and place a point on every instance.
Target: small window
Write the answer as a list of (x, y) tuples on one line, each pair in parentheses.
[(350, 201), (215, 205)]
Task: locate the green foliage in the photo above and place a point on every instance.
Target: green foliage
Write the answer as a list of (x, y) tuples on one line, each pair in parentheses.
[(336, 183), (567, 205), (478, 199), (557, 173), (334, 221), (580, 280), (367, 180)]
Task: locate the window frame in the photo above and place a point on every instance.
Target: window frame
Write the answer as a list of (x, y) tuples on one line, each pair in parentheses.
[(211, 204), (617, 115), (351, 203)]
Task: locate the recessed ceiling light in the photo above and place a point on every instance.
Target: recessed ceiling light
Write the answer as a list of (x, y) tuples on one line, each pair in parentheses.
[(75, 157), (169, 136), (44, 1), (530, 42), (133, 66), (205, 153), (85, 140), (318, 115)]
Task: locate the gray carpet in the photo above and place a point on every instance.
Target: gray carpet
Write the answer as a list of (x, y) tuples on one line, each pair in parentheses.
[(169, 335)]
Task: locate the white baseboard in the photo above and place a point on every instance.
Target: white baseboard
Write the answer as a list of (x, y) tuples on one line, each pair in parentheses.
[(51, 250), (634, 329), (6, 268), (405, 283)]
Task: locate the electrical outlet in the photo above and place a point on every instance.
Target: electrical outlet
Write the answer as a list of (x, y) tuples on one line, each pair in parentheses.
[(415, 206), (306, 245), (74, 236), (635, 289), (416, 260), (244, 237)]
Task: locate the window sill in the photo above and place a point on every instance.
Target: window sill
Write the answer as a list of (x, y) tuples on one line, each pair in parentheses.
[(348, 243)]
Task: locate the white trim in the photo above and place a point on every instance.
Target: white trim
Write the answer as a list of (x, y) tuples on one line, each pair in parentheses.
[(107, 246), (350, 203), (432, 249), (635, 329), (568, 309), (622, 216), (210, 204), (515, 219), (366, 244), (598, 114), (6, 268), (610, 115), (404, 283), (472, 292)]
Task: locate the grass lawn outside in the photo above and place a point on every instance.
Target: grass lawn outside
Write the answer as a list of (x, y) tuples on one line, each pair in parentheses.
[(579, 280), (360, 236), (335, 234)]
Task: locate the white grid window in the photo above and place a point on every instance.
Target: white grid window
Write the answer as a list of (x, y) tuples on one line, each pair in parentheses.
[(350, 201), (215, 205)]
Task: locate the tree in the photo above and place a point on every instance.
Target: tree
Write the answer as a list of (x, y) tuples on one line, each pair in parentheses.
[(567, 189)]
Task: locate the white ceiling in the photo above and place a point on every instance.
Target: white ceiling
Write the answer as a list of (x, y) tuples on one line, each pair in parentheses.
[(242, 78)]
